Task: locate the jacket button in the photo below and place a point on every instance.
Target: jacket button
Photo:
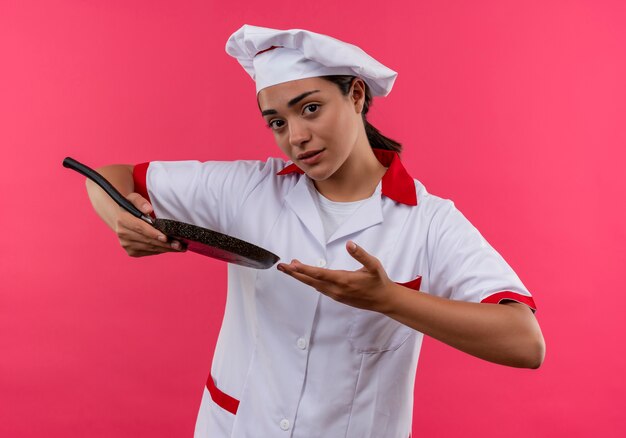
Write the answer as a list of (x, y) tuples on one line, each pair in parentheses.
[(284, 424)]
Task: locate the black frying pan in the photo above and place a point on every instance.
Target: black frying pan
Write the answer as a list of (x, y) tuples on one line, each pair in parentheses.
[(197, 239)]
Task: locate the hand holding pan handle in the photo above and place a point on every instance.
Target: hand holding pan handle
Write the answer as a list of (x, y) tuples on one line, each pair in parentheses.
[(197, 239), (71, 163)]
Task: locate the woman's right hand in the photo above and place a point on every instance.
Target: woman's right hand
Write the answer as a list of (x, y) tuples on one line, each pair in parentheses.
[(139, 238)]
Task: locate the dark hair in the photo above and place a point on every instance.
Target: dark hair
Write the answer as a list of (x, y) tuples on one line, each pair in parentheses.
[(376, 139)]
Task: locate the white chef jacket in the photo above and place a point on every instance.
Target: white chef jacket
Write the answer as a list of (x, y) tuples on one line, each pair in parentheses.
[(289, 361)]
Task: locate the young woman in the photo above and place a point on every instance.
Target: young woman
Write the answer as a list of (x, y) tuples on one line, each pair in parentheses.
[(327, 344)]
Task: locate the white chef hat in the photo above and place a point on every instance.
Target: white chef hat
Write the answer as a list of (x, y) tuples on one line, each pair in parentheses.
[(273, 56)]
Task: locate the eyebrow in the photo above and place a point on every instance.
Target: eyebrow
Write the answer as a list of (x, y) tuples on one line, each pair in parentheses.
[(291, 103)]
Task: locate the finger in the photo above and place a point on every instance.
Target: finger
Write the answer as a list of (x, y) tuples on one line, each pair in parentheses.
[(324, 280), (139, 252), (370, 262), (139, 249), (129, 228), (306, 279), (173, 246), (130, 239), (333, 289), (127, 221), (312, 271), (140, 202)]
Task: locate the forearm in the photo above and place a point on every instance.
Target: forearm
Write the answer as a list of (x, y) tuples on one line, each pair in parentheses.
[(507, 334), (121, 176)]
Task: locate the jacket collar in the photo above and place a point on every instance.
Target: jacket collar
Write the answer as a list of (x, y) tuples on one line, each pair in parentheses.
[(397, 184)]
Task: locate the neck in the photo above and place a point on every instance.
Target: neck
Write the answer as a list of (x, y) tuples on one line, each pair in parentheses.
[(356, 179)]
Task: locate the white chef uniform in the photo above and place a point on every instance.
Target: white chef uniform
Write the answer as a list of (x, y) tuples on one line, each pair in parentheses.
[(289, 361)]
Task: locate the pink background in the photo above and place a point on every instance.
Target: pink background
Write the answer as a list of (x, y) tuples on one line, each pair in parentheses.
[(515, 110)]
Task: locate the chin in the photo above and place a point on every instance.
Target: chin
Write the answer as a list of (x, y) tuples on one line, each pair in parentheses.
[(315, 176), (318, 174)]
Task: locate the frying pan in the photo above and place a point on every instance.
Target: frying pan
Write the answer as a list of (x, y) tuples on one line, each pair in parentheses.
[(197, 239)]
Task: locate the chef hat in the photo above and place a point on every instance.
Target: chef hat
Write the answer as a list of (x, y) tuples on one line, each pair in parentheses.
[(272, 56)]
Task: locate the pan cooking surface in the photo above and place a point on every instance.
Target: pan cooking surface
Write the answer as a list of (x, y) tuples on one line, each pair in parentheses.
[(217, 245)]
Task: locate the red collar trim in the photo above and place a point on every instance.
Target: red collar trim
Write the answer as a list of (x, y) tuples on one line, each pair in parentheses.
[(397, 183)]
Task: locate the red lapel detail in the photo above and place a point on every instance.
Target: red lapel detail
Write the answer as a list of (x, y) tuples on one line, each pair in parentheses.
[(292, 168)]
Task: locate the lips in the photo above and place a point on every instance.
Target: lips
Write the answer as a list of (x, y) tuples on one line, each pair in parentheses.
[(308, 154), (311, 158)]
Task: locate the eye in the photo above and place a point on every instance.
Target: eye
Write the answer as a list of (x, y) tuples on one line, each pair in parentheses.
[(275, 124), (312, 107)]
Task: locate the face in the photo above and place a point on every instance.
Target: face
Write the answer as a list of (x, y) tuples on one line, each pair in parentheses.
[(316, 126)]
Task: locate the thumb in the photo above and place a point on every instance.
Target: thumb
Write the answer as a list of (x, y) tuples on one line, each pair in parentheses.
[(370, 262), (140, 202)]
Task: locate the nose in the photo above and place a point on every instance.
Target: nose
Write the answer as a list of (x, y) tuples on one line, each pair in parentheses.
[(298, 133)]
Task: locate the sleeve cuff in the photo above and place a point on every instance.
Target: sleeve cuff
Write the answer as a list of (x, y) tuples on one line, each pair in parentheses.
[(499, 297), (413, 284), (140, 173)]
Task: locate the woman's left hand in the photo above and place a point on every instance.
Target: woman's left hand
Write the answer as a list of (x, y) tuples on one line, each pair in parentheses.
[(502, 333), (366, 288)]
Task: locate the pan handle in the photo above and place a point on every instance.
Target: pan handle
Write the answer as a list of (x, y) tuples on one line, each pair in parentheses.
[(71, 163)]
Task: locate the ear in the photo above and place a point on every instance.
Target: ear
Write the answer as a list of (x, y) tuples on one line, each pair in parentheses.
[(357, 94)]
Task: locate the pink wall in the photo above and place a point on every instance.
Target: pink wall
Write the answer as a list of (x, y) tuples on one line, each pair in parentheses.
[(515, 110)]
